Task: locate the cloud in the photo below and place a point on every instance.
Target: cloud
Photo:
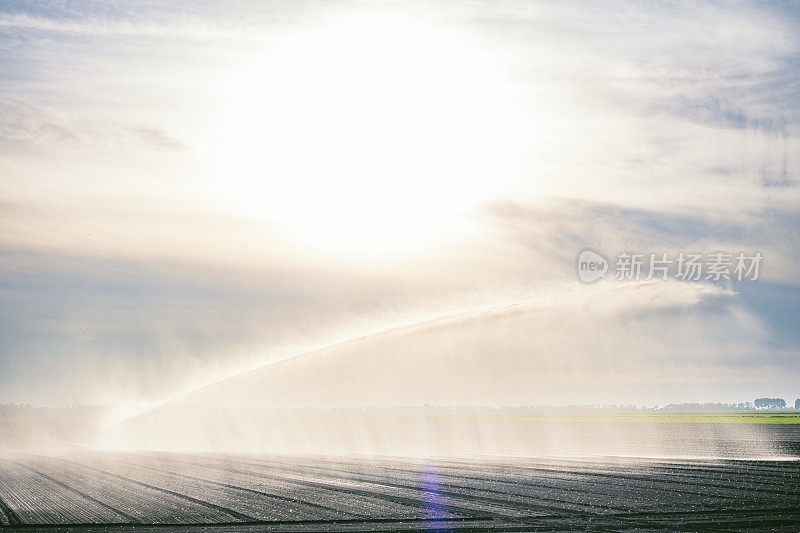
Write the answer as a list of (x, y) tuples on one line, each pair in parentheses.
[(142, 236), (32, 128), (159, 139), (100, 27), (24, 125)]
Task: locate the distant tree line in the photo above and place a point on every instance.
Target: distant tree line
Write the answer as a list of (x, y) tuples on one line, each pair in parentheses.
[(705, 407), (15, 410), (10, 409), (770, 403)]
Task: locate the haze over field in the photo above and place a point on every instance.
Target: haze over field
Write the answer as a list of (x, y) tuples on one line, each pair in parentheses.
[(192, 191)]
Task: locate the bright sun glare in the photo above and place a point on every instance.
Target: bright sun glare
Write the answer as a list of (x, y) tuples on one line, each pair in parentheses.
[(366, 136)]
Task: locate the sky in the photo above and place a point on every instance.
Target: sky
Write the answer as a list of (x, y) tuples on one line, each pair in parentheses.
[(192, 190)]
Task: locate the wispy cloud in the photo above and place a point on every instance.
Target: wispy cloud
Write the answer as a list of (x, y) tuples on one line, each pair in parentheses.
[(156, 162)]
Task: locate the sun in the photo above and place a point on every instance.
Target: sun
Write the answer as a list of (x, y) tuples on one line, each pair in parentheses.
[(366, 135)]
